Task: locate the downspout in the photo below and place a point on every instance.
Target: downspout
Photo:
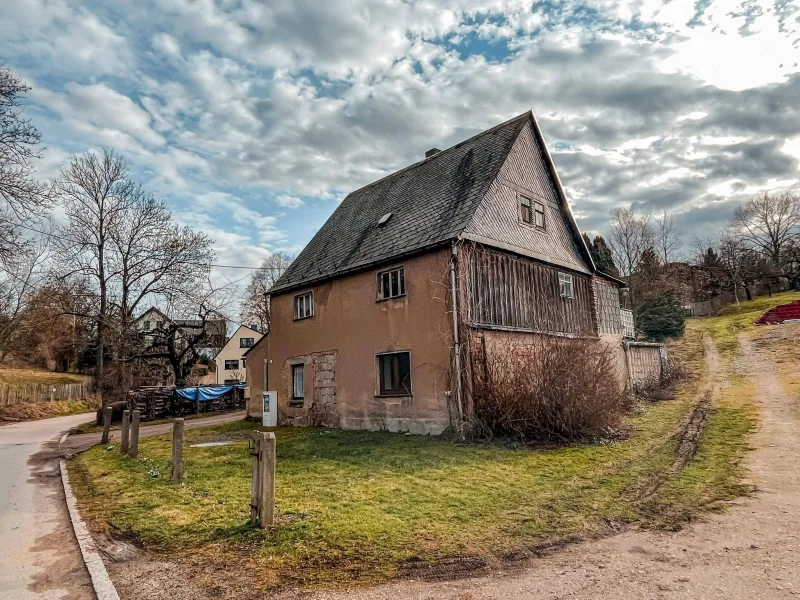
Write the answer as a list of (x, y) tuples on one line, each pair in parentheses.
[(456, 342)]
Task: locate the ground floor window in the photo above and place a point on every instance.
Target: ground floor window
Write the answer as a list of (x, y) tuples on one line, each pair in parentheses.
[(298, 383), (394, 374)]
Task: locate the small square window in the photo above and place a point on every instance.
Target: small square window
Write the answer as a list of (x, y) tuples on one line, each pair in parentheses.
[(298, 382), (391, 284), (565, 285), (394, 374), (304, 306), (246, 342), (232, 365)]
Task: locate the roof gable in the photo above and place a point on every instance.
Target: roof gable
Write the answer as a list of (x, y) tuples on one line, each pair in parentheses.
[(431, 202), (527, 171)]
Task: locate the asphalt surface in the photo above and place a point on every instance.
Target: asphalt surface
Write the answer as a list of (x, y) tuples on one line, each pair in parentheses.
[(39, 557)]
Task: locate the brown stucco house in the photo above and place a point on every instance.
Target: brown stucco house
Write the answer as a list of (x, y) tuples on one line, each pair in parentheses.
[(376, 316)]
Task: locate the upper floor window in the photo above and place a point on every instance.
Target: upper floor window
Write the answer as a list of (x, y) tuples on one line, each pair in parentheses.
[(304, 306), (391, 284), (566, 285), (148, 325), (532, 211), (246, 342), (231, 365)]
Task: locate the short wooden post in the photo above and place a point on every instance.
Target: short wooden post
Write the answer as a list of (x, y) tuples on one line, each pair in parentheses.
[(126, 432), (177, 449), (266, 479), (107, 411), (135, 418), (254, 487)]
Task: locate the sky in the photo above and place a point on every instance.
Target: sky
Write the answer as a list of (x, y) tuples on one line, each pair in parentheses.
[(253, 119)]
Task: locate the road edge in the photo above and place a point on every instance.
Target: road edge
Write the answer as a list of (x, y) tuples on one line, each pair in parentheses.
[(101, 583)]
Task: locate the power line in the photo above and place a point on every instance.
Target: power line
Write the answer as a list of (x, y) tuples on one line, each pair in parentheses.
[(216, 265)]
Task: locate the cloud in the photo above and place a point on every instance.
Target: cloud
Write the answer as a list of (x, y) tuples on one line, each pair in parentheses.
[(289, 201)]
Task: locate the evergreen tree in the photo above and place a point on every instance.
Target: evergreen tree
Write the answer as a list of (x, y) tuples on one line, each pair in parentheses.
[(601, 255), (661, 317)]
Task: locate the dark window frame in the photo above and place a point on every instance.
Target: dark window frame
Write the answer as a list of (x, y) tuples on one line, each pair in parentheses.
[(391, 284), (533, 212), (401, 385), (296, 305), (231, 360), (250, 345), (296, 400)]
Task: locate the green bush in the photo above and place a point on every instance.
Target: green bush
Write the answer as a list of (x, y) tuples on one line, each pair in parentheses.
[(662, 317)]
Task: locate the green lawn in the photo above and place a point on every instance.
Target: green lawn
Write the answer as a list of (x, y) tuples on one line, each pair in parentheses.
[(362, 505)]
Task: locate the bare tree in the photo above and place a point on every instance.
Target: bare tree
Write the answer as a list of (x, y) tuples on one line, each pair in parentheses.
[(770, 223), (23, 197), (732, 253), (631, 235), (255, 305), (668, 237)]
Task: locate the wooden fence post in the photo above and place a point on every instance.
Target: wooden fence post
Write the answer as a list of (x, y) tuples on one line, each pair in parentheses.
[(126, 432), (177, 450), (135, 418), (107, 411), (262, 487)]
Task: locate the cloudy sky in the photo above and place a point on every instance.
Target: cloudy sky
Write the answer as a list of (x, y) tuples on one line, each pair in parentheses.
[(253, 118)]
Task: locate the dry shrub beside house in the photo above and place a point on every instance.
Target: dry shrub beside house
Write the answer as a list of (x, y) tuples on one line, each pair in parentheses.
[(377, 323)]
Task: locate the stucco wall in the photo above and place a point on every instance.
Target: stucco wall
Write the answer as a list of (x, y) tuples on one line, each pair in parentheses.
[(339, 344), (233, 351)]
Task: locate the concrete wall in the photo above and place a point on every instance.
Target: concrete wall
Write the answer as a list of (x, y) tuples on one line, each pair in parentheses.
[(233, 351), (339, 344)]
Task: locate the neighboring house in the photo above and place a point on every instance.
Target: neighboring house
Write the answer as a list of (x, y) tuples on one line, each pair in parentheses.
[(414, 274), (231, 362)]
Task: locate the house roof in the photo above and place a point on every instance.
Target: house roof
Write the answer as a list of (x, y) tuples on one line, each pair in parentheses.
[(430, 202)]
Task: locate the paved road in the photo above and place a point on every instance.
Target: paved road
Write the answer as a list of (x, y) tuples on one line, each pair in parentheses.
[(79, 443), (39, 557)]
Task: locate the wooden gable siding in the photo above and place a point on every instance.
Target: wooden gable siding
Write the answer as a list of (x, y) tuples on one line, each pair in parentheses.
[(497, 219), (508, 292), (608, 307)]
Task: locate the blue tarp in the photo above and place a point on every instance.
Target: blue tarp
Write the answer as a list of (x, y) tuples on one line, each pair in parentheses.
[(206, 393)]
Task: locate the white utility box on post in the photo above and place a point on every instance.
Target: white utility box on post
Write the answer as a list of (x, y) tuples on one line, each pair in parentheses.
[(269, 416)]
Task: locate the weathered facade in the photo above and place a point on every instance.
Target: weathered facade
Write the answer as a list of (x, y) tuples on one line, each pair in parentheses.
[(373, 323)]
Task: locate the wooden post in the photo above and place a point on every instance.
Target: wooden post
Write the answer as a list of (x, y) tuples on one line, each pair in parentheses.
[(266, 480), (254, 487), (197, 401), (135, 417), (177, 450), (126, 432), (106, 424)]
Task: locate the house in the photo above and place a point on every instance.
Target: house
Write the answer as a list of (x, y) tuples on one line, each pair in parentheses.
[(231, 362), (372, 324), (204, 337)]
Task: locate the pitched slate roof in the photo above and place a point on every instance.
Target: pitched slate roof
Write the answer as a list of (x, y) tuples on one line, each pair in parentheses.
[(431, 202)]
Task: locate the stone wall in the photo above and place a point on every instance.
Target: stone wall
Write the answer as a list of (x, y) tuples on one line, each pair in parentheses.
[(324, 412)]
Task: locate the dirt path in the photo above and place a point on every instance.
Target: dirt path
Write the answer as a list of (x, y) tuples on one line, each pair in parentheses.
[(750, 551)]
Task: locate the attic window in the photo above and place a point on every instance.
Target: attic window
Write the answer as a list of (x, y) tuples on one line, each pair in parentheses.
[(532, 212), (384, 219)]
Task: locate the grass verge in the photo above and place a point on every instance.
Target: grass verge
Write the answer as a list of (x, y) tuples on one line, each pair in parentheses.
[(357, 505), (46, 410), (32, 376), (726, 325)]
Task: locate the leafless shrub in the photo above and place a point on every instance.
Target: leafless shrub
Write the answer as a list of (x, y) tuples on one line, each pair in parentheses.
[(551, 389)]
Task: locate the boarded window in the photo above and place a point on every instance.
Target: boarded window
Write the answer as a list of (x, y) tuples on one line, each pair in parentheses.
[(391, 284), (231, 364), (246, 342), (298, 393), (566, 285), (394, 372), (304, 306)]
